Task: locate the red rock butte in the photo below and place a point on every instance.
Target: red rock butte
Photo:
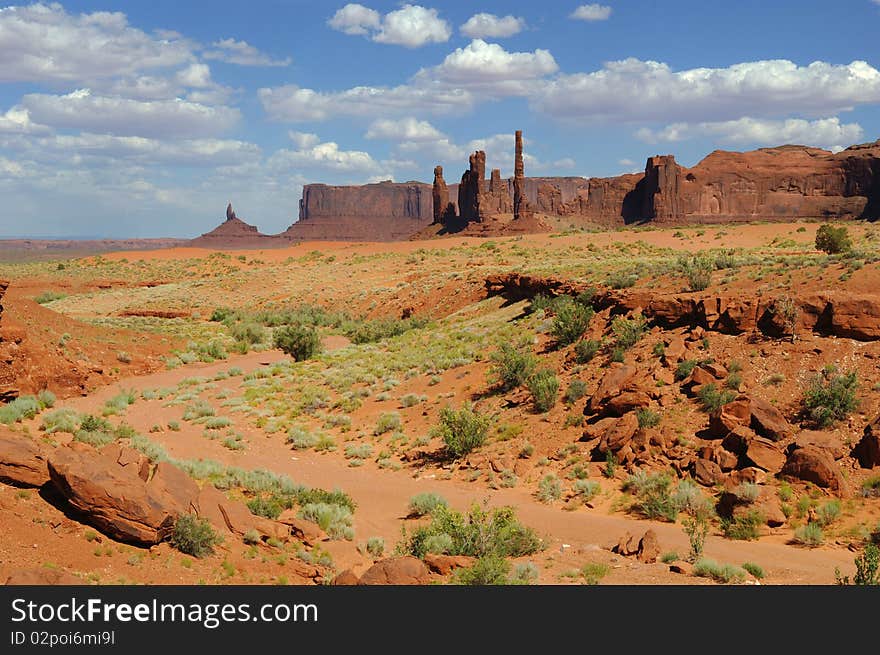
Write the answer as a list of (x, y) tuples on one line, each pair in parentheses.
[(784, 183)]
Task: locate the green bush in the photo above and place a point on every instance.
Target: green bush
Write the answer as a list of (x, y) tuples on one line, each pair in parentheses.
[(335, 520), (831, 397), (745, 527), (250, 333), (571, 321), (194, 536), (585, 350), (653, 495), (684, 369), (549, 489), (544, 387), (628, 331), (867, 568), (375, 546), (698, 271), (387, 422), (833, 240), (828, 513), (462, 430), (298, 341), (487, 570), (60, 420), (370, 331), (425, 503), (756, 571), (513, 365), (647, 418), (49, 296), (587, 489), (724, 573), (711, 398), (23, 407), (478, 533), (577, 389), (810, 535)]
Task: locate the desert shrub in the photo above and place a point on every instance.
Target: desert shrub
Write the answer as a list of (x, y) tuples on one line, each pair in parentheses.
[(269, 507), (647, 418), (698, 271), (23, 407), (60, 420), (301, 438), (571, 321), (217, 423), (198, 409), (49, 296), (831, 397), (250, 333), (756, 571), (370, 331), (513, 365), (375, 546), (46, 399), (194, 536), (593, 573), (487, 570), (587, 489), (335, 520), (585, 350), (544, 387), (524, 573), (298, 341), (810, 535), (669, 557), (425, 503), (828, 513), (387, 422), (577, 389), (462, 430), (745, 527), (549, 489), (711, 398), (358, 451), (411, 400), (621, 279), (684, 369), (833, 239), (871, 487), (867, 568), (628, 331), (653, 495), (724, 573), (478, 533), (92, 423)]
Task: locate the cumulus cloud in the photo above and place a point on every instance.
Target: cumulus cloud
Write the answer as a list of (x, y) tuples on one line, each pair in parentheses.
[(444, 89), (43, 43), (295, 104), (411, 26), (825, 132), (326, 155), (406, 129), (123, 116), (18, 121), (592, 12), (355, 19), (303, 140), (635, 90), (241, 53), (483, 25)]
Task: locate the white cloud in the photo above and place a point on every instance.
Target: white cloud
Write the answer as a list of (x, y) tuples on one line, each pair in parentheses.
[(41, 43), (634, 90), (481, 63), (303, 140), (591, 12), (295, 104), (405, 129), (325, 156), (195, 75), (122, 116), (411, 26), (826, 132), (355, 19), (18, 121), (241, 53), (483, 25), (626, 162)]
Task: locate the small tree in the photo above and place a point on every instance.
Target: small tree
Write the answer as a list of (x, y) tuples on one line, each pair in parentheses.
[(572, 320), (544, 387), (513, 365), (831, 397), (194, 536), (833, 240), (299, 341)]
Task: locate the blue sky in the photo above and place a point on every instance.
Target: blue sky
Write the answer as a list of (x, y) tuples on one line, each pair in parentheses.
[(143, 119)]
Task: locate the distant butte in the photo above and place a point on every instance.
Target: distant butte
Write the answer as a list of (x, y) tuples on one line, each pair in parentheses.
[(784, 183)]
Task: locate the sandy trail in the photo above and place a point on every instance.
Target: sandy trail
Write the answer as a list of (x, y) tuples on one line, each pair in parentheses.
[(382, 495)]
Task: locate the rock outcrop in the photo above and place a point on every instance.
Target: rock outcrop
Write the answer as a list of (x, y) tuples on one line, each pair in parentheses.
[(444, 211), (471, 188), (386, 211), (22, 461), (520, 202), (397, 571), (235, 233)]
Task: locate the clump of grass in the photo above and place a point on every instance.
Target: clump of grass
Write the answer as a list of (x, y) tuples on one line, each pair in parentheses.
[(745, 527), (198, 409), (593, 573), (487, 570), (388, 422), (724, 573), (756, 571), (22, 408), (194, 536), (628, 331), (586, 350), (653, 495), (424, 503), (587, 489), (647, 418), (549, 489), (571, 321), (544, 387), (512, 365), (49, 296), (335, 520), (831, 397), (809, 535), (711, 398), (60, 420), (298, 341)]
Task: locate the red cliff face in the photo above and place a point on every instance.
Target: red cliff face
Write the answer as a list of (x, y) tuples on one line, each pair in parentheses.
[(385, 211), (233, 233)]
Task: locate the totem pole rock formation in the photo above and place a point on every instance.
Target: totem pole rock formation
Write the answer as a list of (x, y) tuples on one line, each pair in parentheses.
[(520, 203), (473, 182), (230, 213), (444, 211)]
